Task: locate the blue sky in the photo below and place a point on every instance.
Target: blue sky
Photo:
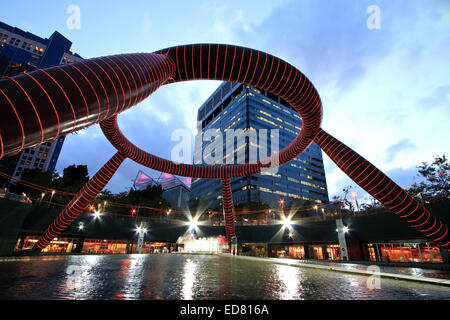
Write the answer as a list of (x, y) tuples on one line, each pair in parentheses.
[(385, 92)]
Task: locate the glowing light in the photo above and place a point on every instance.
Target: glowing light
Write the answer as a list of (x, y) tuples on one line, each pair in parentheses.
[(81, 226), (287, 223), (193, 224), (96, 214), (141, 230), (345, 229)]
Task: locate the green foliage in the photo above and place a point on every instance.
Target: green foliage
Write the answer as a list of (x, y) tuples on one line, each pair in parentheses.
[(38, 177), (141, 200), (436, 185)]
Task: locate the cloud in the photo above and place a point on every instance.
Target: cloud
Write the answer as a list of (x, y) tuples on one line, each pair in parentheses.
[(374, 84), (439, 98), (398, 148)]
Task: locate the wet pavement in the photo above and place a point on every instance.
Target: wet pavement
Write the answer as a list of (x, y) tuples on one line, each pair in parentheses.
[(175, 276)]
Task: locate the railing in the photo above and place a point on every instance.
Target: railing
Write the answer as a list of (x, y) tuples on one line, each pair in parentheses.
[(170, 220)]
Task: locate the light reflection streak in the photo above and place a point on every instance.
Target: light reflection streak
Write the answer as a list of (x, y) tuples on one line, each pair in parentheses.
[(80, 278), (134, 277), (190, 269), (290, 279)]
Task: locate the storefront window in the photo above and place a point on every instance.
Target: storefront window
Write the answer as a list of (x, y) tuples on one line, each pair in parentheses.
[(403, 252), (430, 253), (297, 252), (371, 252), (333, 252), (316, 252), (254, 250), (57, 245)]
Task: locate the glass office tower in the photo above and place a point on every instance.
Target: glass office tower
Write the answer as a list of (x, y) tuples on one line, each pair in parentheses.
[(236, 106)]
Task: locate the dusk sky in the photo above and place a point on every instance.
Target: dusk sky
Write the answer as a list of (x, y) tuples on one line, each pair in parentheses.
[(385, 92)]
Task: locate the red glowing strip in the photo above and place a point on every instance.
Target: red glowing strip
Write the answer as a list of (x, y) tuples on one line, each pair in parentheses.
[(129, 87), (93, 90), (101, 84), (51, 102), (110, 80), (20, 123), (79, 90), (224, 62), (232, 64), (446, 231), (268, 76), (65, 95), (425, 230), (32, 104)]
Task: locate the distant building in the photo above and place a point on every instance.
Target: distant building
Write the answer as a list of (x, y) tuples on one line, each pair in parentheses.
[(175, 190), (237, 106), (20, 52)]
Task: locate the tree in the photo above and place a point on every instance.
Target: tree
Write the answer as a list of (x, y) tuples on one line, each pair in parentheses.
[(36, 176), (73, 179), (436, 184), (343, 198)]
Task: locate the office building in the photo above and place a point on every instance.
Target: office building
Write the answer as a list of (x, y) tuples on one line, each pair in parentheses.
[(20, 52), (237, 106)]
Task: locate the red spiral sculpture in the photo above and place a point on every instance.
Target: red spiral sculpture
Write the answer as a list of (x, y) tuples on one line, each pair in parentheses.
[(228, 210), (44, 104)]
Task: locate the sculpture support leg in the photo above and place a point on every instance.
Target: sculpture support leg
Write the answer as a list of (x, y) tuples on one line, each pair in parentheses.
[(379, 186), (227, 200), (80, 201)]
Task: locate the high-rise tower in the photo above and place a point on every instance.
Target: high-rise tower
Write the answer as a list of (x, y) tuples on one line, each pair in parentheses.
[(236, 106)]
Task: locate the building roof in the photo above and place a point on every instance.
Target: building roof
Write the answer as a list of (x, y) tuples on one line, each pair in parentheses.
[(167, 181)]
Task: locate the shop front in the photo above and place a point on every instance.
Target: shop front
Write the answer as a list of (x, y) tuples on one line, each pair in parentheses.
[(57, 245), (254, 249), (305, 251), (402, 252), (95, 246)]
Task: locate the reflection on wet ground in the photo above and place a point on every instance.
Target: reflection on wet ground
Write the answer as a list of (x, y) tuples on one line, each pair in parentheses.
[(172, 276)]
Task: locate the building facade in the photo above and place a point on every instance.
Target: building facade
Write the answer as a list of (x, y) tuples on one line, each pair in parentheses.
[(20, 52), (237, 106)]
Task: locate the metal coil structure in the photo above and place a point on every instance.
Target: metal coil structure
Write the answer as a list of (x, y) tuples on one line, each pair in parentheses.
[(42, 105)]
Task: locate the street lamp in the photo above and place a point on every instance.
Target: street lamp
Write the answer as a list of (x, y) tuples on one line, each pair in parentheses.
[(51, 197), (287, 223), (96, 214), (193, 224)]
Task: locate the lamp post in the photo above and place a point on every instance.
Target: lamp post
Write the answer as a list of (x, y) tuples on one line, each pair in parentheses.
[(51, 197), (42, 197)]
